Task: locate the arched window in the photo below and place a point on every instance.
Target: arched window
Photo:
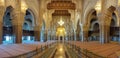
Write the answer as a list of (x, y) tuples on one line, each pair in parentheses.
[(8, 37), (28, 27)]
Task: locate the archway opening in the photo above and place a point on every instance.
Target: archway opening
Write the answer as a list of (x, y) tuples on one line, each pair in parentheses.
[(95, 32), (28, 27), (60, 33), (94, 28), (114, 34), (8, 36)]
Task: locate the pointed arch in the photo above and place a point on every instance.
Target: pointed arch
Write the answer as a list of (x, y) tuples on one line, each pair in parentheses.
[(8, 37)]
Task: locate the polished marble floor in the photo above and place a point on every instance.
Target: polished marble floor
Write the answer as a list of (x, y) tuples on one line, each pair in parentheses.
[(60, 53)]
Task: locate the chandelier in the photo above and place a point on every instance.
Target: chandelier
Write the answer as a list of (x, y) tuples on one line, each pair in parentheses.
[(2, 3), (98, 6), (61, 22)]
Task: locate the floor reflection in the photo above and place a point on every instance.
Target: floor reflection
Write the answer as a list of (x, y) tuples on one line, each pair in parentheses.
[(60, 51)]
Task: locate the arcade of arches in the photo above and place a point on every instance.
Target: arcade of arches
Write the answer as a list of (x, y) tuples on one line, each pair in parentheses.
[(93, 25)]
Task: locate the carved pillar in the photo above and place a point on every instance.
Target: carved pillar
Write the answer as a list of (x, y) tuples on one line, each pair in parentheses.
[(105, 25), (99, 16), (1, 29), (37, 33), (84, 33), (48, 35), (18, 33), (119, 24), (78, 33), (104, 33), (68, 35), (52, 35), (17, 22), (81, 33), (74, 35), (38, 26), (118, 10), (71, 35), (1, 22), (45, 34)]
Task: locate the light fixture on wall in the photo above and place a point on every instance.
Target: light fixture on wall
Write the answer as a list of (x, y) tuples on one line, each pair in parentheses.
[(98, 6), (61, 22), (118, 2), (23, 7), (2, 2)]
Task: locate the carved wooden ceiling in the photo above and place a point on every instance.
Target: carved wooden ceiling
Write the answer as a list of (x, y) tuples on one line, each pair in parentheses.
[(61, 7), (60, 0), (61, 13)]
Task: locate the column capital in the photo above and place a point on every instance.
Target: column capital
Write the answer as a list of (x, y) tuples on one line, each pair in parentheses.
[(17, 17)]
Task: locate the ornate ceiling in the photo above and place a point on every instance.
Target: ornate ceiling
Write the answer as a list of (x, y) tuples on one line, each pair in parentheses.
[(61, 7), (61, 13)]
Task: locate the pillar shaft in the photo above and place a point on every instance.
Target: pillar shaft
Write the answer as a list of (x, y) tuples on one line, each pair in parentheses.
[(17, 22), (104, 34), (18, 33), (48, 35), (118, 10), (1, 33), (75, 36), (85, 33), (78, 36), (45, 34), (37, 33), (1, 22), (107, 33), (105, 25)]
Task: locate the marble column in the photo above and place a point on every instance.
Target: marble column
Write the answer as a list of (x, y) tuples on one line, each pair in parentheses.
[(82, 37), (105, 25), (48, 35), (104, 34), (45, 34), (17, 22), (75, 35), (1, 22), (51, 37), (1, 29), (84, 33), (18, 33), (78, 36), (37, 32), (118, 10), (72, 36)]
